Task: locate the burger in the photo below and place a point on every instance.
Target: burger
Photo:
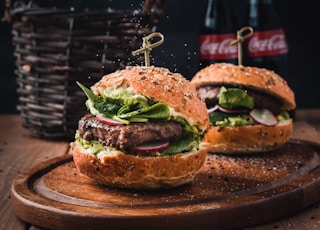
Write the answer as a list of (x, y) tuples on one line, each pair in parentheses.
[(143, 130), (249, 108)]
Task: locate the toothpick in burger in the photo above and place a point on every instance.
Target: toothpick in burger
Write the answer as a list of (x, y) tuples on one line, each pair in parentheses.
[(143, 131), (249, 108)]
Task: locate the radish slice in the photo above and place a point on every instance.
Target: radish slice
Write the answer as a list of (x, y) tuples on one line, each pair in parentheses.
[(151, 147), (233, 110), (107, 120), (264, 116), (214, 108)]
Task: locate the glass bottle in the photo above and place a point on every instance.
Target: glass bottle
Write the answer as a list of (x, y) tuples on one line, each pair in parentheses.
[(216, 33), (267, 47)]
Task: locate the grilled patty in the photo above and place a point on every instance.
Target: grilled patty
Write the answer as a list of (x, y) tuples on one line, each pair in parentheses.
[(210, 95), (126, 136)]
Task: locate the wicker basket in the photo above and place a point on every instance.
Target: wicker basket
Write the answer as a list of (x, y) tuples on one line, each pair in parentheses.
[(54, 48)]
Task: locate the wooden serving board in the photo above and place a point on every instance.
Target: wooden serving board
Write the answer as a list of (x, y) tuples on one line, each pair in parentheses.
[(229, 192)]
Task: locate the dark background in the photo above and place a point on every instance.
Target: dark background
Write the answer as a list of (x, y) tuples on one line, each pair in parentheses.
[(180, 26)]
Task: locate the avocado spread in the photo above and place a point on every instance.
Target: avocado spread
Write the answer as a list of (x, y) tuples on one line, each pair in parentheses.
[(236, 99)]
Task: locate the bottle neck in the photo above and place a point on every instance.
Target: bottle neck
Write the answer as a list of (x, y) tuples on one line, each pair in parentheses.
[(210, 16), (260, 1), (218, 17), (262, 15)]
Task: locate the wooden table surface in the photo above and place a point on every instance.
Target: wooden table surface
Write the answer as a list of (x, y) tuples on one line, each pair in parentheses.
[(19, 151)]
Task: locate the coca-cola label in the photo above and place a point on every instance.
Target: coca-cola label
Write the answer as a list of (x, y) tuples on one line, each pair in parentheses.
[(217, 47), (267, 43)]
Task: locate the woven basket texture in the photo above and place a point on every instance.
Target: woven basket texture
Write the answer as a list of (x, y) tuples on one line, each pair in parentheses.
[(54, 48)]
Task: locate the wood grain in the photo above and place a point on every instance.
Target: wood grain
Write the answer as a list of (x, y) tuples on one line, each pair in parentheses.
[(251, 189), (18, 152)]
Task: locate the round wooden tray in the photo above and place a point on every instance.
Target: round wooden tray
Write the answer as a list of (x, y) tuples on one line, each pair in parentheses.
[(229, 192)]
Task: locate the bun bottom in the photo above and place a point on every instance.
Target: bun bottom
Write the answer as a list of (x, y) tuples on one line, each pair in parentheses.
[(247, 139), (134, 172)]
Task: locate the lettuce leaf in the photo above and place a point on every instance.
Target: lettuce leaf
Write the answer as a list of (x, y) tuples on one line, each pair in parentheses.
[(235, 98), (138, 109), (156, 111)]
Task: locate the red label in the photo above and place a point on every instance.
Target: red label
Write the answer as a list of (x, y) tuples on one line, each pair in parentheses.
[(267, 43), (217, 46)]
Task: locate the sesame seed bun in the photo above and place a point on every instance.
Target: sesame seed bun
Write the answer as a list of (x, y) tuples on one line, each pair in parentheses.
[(247, 139), (141, 173), (161, 85)]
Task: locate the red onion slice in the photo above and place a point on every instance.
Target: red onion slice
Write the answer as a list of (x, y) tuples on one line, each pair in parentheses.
[(214, 108), (151, 147), (107, 121), (264, 117)]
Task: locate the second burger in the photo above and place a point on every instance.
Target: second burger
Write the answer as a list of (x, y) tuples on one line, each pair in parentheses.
[(249, 108)]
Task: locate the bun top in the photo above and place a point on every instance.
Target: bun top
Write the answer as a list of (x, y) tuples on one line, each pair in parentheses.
[(250, 77), (160, 85)]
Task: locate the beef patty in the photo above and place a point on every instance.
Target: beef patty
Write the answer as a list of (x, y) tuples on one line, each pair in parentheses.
[(210, 95), (126, 136)]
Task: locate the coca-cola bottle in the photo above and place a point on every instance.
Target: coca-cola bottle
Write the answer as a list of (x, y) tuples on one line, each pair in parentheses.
[(218, 29), (267, 47)]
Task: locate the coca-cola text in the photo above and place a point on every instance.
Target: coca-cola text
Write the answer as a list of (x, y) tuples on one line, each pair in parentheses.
[(215, 47), (267, 43)]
